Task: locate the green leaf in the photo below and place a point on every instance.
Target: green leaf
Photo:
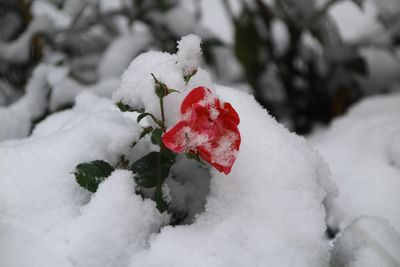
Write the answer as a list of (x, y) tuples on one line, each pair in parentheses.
[(170, 91), (162, 205), (156, 136), (146, 131), (124, 108), (189, 76), (90, 175), (143, 115), (152, 169)]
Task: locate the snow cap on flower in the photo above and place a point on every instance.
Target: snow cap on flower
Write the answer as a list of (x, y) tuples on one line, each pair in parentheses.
[(189, 52)]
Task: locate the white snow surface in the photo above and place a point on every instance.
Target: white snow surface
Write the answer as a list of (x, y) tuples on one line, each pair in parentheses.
[(362, 149), (47, 217), (267, 212), (189, 52), (368, 241), (137, 87)]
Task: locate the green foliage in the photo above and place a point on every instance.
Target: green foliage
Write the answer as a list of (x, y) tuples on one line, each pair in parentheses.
[(90, 175), (126, 108), (156, 137), (152, 169)]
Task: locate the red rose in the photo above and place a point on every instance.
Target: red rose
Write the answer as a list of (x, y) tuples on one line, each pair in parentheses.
[(208, 128)]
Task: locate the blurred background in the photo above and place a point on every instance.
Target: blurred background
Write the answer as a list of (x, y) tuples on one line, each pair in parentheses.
[(305, 61)]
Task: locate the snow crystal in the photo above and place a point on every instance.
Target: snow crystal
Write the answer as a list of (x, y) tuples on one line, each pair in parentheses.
[(361, 149), (369, 241)]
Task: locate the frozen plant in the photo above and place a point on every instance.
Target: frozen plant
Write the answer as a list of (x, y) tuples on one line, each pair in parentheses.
[(206, 131)]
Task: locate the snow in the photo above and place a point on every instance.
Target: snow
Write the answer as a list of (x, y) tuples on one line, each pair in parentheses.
[(109, 6), (137, 85), (18, 51), (16, 119), (363, 21), (268, 211), (189, 52), (179, 21), (383, 67), (58, 18), (47, 217), (65, 90), (368, 241), (120, 53), (115, 223), (362, 150)]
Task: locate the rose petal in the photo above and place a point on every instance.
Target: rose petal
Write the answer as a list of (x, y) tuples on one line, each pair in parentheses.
[(201, 122), (206, 156), (211, 131), (195, 96), (230, 113), (175, 138), (230, 126)]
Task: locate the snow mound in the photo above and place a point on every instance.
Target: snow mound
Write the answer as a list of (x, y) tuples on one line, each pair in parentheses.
[(267, 212), (368, 241), (115, 223), (43, 211), (362, 149)]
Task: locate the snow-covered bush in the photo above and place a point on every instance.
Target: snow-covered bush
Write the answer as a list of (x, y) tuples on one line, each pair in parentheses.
[(267, 211), (308, 60), (93, 42)]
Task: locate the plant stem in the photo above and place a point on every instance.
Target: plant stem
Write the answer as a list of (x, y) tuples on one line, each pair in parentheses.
[(162, 114)]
